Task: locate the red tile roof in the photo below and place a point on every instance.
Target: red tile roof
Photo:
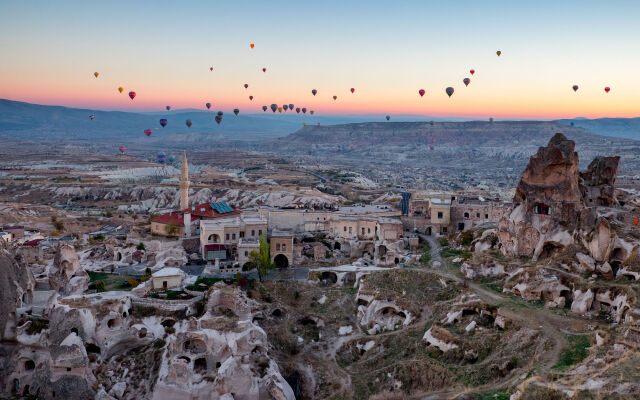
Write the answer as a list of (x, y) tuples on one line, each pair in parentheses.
[(33, 242), (199, 211)]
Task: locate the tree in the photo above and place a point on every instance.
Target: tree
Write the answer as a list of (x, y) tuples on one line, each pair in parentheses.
[(172, 229), (262, 259), (140, 246)]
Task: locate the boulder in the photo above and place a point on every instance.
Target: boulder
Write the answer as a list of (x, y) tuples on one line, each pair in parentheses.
[(582, 301), (586, 262)]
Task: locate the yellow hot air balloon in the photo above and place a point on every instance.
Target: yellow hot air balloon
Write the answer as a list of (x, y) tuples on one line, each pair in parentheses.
[(279, 109), (120, 89), (96, 74)]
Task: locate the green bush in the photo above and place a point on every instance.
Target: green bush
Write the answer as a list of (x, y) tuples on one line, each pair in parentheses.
[(578, 350), (140, 246), (100, 287)]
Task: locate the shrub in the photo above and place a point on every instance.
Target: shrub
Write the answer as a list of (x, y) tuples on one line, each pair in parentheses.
[(443, 242), (140, 246), (296, 295), (466, 238), (133, 282), (100, 287), (54, 233)]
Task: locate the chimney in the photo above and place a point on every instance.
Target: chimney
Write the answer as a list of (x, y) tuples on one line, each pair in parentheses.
[(187, 224)]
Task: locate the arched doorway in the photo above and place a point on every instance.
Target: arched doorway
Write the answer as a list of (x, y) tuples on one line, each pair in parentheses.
[(281, 261), (214, 238), (248, 266)]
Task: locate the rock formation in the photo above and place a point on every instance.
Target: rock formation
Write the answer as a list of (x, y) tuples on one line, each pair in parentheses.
[(66, 275)]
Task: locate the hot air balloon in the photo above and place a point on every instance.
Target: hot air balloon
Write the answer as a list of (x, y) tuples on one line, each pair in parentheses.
[(636, 221), (96, 74), (252, 45), (210, 68), (168, 108), (264, 70), (311, 112), (274, 107), (335, 97), (189, 123), (304, 124), (313, 92), (171, 158), (132, 95), (607, 89), (297, 110), (466, 81), (251, 98), (220, 113), (218, 119), (285, 106), (575, 88), (421, 92), (91, 117), (162, 158), (388, 117), (163, 122), (264, 108), (148, 132), (431, 147), (472, 71), (318, 123), (122, 149), (120, 89), (498, 53), (304, 110), (208, 105), (449, 91), (279, 109), (236, 111), (246, 85), (353, 90), (290, 106)]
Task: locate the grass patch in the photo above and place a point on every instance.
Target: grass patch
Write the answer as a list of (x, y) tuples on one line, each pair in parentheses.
[(207, 282), (451, 253), (111, 281), (578, 350), (493, 395)]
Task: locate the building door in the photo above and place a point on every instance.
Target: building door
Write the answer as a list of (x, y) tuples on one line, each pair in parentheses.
[(460, 226), (428, 231), (164, 284)]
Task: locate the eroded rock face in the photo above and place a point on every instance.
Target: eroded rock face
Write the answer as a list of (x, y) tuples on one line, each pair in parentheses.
[(66, 276), (16, 289), (598, 181)]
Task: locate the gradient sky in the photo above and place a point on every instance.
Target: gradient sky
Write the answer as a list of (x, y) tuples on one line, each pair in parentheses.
[(386, 50)]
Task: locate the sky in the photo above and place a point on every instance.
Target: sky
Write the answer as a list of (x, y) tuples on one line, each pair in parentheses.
[(386, 50)]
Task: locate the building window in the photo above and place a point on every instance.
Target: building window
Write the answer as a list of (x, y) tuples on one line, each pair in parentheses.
[(444, 229), (368, 230), (363, 231), (477, 215), (542, 209), (284, 247), (253, 232), (259, 232), (345, 228), (227, 236), (350, 230), (466, 214), (246, 253), (241, 234), (486, 216), (277, 246), (233, 236), (440, 214)]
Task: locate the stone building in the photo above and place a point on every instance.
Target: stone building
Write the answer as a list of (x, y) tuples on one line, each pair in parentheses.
[(281, 247), (167, 278), (226, 234)]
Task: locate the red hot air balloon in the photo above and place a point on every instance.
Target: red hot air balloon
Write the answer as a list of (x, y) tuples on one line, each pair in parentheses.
[(297, 110), (575, 88), (132, 95), (607, 89), (304, 110), (353, 90), (246, 85), (122, 149), (466, 81), (421, 92), (236, 111), (313, 92), (210, 68), (189, 123), (472, 71), (148, 132), (252, 46), (250, 97), (264, 70), (636, 221), (208, 105)]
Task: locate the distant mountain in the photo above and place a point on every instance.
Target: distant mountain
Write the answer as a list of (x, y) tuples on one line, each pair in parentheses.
[(616, 127), (462, 134), (40, 122)]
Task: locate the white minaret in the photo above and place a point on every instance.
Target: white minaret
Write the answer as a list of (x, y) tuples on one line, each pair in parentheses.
[(184, 183)]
